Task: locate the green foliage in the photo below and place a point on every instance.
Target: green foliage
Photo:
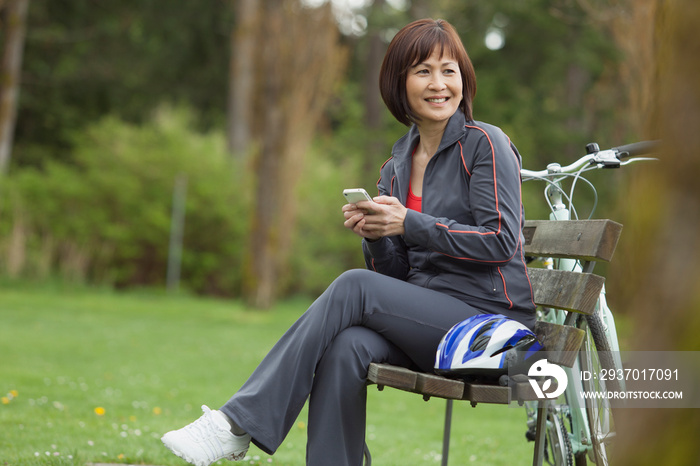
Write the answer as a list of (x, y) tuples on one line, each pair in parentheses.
[(83, 61), (108, 213), (543, 86)]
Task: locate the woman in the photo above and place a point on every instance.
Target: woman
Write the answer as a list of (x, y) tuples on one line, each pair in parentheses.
[(444, 236)]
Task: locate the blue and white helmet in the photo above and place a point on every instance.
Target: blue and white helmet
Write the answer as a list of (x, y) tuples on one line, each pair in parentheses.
[(487, 345)]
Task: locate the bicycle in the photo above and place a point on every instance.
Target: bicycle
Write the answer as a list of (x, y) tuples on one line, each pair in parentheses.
[(579, 427)]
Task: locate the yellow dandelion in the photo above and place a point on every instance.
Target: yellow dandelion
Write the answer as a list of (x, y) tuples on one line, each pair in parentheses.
[(157, 411), (14, 393), (301, 425), (100, 411), (5, 400), (121, 456), (132, 418)]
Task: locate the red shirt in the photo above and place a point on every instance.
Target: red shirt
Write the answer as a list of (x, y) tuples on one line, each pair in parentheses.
[(413, 202)]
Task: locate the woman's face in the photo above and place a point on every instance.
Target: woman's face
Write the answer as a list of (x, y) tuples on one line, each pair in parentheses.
[(434, 88)]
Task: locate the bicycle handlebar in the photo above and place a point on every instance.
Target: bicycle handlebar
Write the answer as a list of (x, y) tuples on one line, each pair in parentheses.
[(610, 158)]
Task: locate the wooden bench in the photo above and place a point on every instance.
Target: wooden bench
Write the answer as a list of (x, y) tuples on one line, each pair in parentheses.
[(589, 241)]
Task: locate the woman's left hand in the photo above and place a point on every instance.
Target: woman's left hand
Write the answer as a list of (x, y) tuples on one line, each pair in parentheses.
[(386, 217)]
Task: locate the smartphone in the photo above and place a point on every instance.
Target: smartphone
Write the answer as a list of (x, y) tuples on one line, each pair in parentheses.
[(353, 196)]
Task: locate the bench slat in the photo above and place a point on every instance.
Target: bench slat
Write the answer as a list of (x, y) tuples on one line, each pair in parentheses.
[(435, 385), (562, 342), (430, 385), (393, 376), (590, 240), (522, 389), (481, 393), (561, 289)]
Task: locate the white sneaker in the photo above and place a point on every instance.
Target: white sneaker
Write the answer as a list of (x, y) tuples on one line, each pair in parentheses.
[(207, 440)]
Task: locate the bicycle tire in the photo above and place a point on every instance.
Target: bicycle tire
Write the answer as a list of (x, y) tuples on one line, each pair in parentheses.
[(604, 349), (598, 410)]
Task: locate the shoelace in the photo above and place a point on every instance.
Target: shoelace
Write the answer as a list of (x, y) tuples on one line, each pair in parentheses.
[(204, 429)]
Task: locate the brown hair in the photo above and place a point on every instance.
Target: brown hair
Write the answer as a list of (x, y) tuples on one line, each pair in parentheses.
[(413, 44)]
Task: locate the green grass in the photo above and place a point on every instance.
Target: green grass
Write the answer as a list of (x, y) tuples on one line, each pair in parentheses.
[(150, 360)]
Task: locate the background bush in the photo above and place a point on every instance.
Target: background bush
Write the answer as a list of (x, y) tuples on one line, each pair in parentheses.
[(105, 217)]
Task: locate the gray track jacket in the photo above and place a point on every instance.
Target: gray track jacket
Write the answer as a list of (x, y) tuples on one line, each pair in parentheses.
[(467, 241)]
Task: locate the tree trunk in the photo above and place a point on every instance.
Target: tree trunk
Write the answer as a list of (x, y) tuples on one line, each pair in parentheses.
[(242, 75), (299, 61), (664, 200), (10, 71), (373, 100)]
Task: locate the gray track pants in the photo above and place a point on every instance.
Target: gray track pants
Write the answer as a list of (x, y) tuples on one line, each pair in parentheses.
[(362, 317)]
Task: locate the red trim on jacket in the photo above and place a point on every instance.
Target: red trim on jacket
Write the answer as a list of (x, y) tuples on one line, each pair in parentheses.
[(495, 181), (461, 154), (380, 176), (520, 244), (495, 193)]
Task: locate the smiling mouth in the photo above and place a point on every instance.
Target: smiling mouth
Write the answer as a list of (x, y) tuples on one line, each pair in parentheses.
[(438, 100)]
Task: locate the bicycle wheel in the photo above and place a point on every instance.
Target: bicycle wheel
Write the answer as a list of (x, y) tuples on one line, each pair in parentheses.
[(598, 410), (604, 349)]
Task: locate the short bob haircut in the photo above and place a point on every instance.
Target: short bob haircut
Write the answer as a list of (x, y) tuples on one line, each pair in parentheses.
[(413, 44)]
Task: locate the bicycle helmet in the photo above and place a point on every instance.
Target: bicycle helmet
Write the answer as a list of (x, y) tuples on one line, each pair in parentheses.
[(486, 345)]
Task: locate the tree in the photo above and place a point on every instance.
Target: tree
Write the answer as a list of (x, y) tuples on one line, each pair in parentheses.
[(373, 105), (665, 204), (298, 61), (242, 76), (15, 18)]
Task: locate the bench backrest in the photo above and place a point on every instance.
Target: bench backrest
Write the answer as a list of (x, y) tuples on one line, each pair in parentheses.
[(585, 240), (588, 241)]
